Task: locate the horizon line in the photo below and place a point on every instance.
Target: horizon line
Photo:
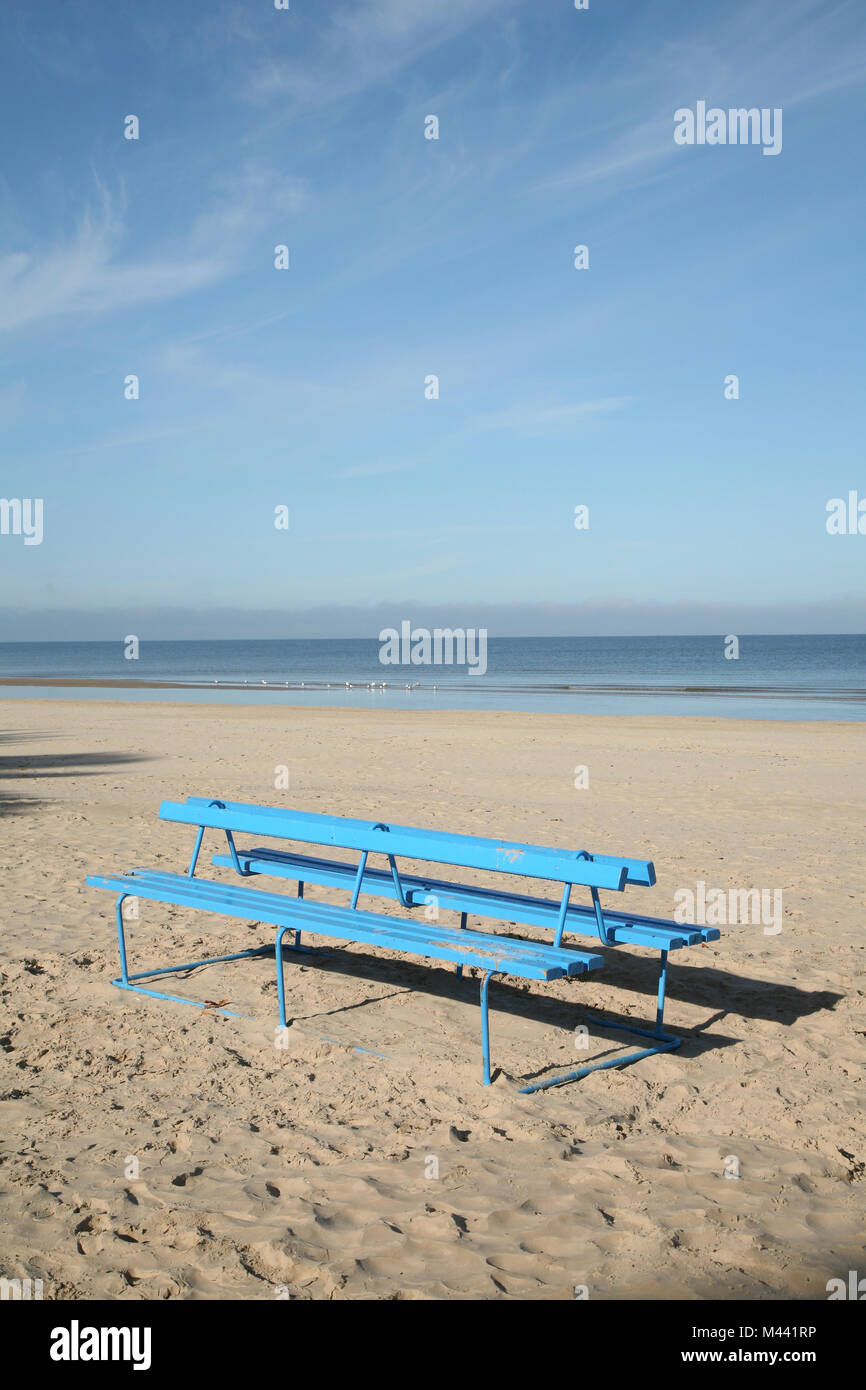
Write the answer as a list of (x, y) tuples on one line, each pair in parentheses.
[(503, 637)]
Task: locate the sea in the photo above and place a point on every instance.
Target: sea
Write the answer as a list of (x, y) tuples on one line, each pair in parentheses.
[(759, 677)]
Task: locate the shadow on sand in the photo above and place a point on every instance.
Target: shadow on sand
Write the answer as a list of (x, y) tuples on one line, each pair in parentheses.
[(722, 992), (21, 766)]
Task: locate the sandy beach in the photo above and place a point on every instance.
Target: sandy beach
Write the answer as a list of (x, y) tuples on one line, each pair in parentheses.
[(152, 1151)]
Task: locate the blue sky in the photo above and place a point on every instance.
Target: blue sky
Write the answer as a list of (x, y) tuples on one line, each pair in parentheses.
[(412, 257)]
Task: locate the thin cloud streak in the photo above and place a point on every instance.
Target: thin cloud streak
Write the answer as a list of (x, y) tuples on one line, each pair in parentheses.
[(87, 277)]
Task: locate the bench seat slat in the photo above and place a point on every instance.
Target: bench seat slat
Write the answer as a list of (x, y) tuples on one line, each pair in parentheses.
[(637, 930), (530, 960), (409, 842)]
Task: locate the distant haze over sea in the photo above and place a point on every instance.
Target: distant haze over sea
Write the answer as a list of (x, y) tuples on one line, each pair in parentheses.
[(597, 618)]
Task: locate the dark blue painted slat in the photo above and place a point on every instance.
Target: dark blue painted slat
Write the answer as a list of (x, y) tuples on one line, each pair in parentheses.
[(635, 930)]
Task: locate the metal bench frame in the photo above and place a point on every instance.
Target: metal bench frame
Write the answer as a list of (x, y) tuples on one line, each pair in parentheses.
[(489, 953), (409, 891)]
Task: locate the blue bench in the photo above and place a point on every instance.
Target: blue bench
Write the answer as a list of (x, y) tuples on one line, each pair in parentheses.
[(489, 953)]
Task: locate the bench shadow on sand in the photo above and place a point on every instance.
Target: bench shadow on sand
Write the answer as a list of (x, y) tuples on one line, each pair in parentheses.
[(721, 991)]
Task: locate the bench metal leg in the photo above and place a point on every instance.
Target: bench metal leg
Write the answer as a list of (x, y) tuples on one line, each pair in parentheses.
[(300, 895), (485, 1027), (281, 983), (127, 981), (462, 927), (121, 939), (660, 997), (190, 873), (665, 1042)]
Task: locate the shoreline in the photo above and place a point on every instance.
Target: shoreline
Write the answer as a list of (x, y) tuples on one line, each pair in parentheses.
[(445, 713), (749, 704), (848, 694)]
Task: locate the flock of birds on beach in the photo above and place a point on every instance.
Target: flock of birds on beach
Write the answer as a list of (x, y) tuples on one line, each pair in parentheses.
[(350, 685)]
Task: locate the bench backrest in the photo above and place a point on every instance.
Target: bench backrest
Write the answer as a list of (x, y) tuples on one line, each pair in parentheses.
[(431, 846)]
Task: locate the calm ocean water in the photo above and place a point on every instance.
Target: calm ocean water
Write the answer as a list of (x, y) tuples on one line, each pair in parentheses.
[(791, 677)]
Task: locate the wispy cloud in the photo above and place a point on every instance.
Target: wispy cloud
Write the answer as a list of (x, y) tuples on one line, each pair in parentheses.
[(761, 63), (362, 44), (132, 439), (538, 420), (87, 274), (84, 276)]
